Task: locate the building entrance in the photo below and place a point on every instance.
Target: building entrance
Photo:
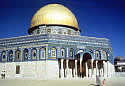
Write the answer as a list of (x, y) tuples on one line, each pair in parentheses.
[(84, 65)]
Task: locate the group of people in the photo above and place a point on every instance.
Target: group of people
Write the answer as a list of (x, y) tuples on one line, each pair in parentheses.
[(3, 75)]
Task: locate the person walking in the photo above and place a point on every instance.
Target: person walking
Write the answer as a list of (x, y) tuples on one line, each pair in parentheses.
[(103, 82)]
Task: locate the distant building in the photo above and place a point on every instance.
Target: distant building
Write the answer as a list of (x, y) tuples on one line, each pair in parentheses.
[(119, 63), (54, 49)]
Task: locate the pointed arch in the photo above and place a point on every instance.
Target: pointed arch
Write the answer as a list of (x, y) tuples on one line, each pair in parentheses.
[(97, 54), (26, 54), (10, 56), (18, 55), (34, 54), (3, 55), (104, 55), (62, 52)]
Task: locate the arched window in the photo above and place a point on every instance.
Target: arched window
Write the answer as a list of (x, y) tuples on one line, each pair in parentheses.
[(42, 56), (18, 55), (53, 52), (3, 56), (38, 31), (48, 30), (71, 52), (62, 52), (10, 55), (26, 52), (104, 54), (34, 54), (97, 55), (69, 32)]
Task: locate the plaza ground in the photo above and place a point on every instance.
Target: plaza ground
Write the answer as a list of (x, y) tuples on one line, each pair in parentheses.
[(115, 81)]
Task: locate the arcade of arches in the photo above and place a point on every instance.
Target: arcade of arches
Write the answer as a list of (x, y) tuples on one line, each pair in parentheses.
[(82, 67)]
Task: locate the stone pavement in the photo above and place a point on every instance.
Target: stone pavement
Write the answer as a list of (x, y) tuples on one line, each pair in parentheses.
[(85, 82)]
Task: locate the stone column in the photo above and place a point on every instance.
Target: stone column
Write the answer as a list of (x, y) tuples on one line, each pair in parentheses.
[(96, 68), (38, 56), (62, 69), (104, 69), (67, 55), (95, 71), (7, 56), (47, 52), (14, 55), (22, 52), (67, 67), (86, 69), (92, 70), (30, 54), (107, 70), (75, 68), (80, 66)]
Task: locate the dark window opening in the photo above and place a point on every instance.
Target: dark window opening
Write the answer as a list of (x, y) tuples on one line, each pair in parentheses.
[(17, 69), (38, 31), (26, 54)]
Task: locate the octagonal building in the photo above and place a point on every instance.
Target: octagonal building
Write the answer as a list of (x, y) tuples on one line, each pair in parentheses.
[(54, 49)]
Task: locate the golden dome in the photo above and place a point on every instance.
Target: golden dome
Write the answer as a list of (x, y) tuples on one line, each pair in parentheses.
[(54, 14)]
